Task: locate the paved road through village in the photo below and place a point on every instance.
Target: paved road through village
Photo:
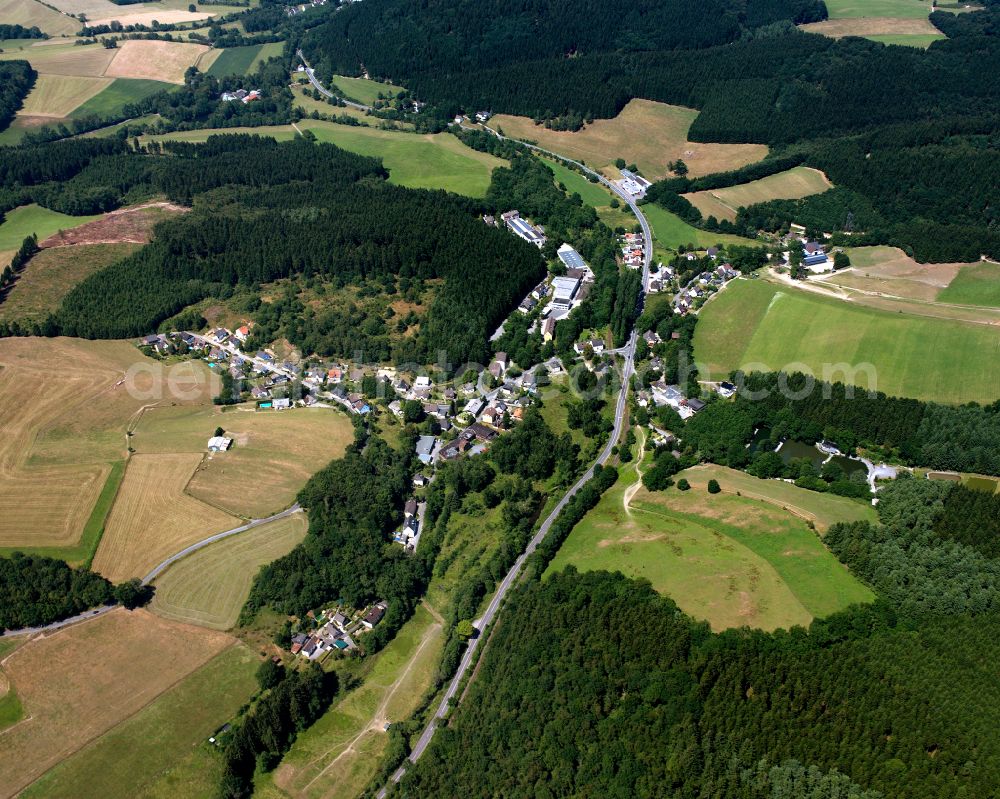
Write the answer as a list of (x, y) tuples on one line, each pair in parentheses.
[(494, 606)]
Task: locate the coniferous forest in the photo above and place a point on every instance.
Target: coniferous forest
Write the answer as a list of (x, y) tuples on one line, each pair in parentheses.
[(911, 134)]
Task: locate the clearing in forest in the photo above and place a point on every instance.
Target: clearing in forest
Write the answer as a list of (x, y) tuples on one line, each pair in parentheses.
[(765, 326), (81, 681), (160, 751), (155, 60), (645, 133), (153, 517), (209, 587), (133, 225), (732, 561), (340, 753), (790, 185)]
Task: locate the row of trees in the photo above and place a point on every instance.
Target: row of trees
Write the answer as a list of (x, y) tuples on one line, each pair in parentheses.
[(36, 590)]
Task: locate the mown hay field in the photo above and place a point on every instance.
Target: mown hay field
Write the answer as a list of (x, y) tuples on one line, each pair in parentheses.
[(30, 13), (90, 60), (764, 326), (59, 95), (81, 681), (155, 60), (153, 518), (121, 92), (362, 90), (272, 456), (209, 587), (645, 133), (161, 749), (790, 185)]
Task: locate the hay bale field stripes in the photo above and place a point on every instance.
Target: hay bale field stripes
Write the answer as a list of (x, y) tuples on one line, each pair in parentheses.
[(792, 184), (60, 59), (209, 587), (153, 517), (29, 13)]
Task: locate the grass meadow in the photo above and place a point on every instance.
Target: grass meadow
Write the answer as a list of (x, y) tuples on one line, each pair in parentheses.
[(901, 9), (672, 232), (120, 93), (975, 284), (50, 275), (339, 754), (362, 90), (730, 560), (209, 587), (774, 327), (645, 133), (57, 96), (243, 60), (790, 185), (27, 219), (162, 749), (419, 161), (919, 40), (84, 680)]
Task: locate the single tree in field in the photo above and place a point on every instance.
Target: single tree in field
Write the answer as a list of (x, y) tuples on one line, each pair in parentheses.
[(714, 487)]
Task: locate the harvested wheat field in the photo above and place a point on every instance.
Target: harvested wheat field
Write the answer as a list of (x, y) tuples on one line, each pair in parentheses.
[(789, 185), (153, 518), (155, 60), (66, 59), (164, 17), (79, 682), (127, 225), (278, 450), (645, 133), (58, 96), (872, 26), (31, 13), (46, 501)]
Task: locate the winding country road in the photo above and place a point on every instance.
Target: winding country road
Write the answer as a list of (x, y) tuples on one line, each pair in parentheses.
[(156, 572), (508, 581), (310, 73)]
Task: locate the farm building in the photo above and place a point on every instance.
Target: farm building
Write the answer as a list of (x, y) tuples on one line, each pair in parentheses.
[(219, 444), (571, 257)]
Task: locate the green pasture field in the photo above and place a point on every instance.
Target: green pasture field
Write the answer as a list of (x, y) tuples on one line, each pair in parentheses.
[(975, 284), (362, 90), (902, 9), (119, 94), (419, 161), (593, 194), (11, 711), (732, 561), (57, 96), (243, 60), (163, 749), (338, 755), (672, 232), (919, 40), (766, 326), (27, 219), (209, 587)]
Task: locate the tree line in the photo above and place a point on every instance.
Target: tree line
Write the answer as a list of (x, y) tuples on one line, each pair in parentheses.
[(16, 79)]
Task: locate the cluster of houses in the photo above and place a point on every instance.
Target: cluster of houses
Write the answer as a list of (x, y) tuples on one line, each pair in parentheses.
[(301, 7), (242, 95), (702, 285), (633, 185), (633, 249), (336, 631), (660, 280)]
